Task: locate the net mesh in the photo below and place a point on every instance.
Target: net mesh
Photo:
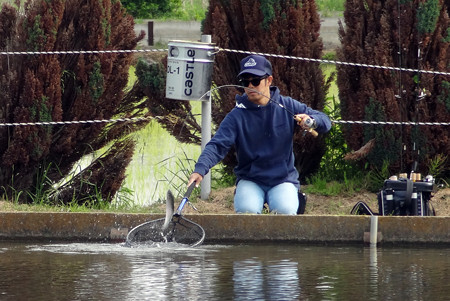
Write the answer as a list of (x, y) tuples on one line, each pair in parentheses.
[(180, 230)]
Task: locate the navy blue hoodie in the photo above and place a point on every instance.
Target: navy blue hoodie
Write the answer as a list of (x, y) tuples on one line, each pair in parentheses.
[(263, 139)]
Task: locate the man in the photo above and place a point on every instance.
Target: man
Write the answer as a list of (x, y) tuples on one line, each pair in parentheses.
[(261, 128)]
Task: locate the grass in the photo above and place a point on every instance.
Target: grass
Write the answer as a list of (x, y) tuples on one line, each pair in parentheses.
[(195, 10), (192, 10), (9, 206), (330, 8), (327, 70), (160, 163)]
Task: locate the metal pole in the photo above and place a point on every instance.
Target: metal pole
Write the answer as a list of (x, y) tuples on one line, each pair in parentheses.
[(373, 230), (206, 134), (150, 33)]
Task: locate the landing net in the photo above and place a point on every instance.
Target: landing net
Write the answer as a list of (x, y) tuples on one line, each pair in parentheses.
[(180, 230)]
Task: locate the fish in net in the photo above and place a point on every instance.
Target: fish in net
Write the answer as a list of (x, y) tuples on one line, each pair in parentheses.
[(180, 230), (173, 228)]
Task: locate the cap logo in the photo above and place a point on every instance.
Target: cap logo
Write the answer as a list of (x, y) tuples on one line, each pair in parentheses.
[(250, 63)]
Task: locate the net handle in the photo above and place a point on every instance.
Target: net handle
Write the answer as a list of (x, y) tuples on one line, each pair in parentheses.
[(185, 199), (189, 190)]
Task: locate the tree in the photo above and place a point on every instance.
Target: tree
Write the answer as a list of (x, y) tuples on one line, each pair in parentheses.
[(278, 27), (401, 33), (66, 87), (150, 9)]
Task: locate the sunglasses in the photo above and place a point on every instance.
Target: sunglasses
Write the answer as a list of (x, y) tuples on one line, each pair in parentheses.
[(254, 81)]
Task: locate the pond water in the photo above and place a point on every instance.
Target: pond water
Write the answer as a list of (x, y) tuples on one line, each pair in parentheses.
[(83, 271)]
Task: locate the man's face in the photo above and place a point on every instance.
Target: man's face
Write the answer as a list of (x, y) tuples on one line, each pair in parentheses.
[(257, 88)]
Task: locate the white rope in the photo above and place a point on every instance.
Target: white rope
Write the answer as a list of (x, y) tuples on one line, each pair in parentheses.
[(227, 50), (337, 62), (134, 119), (389, 122), (218, 49), (80, 52)]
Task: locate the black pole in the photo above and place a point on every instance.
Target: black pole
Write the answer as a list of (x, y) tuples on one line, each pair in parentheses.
[(150, 33)]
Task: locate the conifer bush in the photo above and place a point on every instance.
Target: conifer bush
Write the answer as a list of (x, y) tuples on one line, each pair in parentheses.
[(65, 87), (408, 34), (276, 27)]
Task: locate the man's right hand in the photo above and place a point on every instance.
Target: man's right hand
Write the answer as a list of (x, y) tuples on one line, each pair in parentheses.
[(195, 177)]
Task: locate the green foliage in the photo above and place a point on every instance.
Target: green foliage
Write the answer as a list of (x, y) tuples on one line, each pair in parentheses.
[(330, 7), (44, 198), (36, 36), (268, 11), (177, 175), (45, 193), (330, 56), (387, 147), (318, 184), (221, 178), (10, 193), (151, 9), (45, 113), (336, 175), (333, 166), (190, 10), (150, 76), (96, 82), (195, 9), (123, 203), (39, 194), (427, 16), (124, 199), (106, 27), (444, 97), (437, 165), (446, 39), (376, 176)]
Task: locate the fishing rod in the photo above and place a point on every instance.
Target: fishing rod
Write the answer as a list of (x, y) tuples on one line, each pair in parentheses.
[(309, 122)]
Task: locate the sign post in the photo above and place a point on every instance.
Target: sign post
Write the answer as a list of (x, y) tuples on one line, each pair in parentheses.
[(189, 76)]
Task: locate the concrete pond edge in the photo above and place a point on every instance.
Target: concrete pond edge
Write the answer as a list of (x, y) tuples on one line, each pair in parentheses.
[(233, 228)]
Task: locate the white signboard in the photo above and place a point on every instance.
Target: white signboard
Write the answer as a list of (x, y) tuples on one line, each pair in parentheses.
[(189, 70)]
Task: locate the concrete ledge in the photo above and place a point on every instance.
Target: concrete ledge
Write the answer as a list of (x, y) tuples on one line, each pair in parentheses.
[(228, 228)]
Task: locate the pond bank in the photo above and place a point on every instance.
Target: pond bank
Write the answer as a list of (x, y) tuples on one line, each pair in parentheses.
[(229, 228)]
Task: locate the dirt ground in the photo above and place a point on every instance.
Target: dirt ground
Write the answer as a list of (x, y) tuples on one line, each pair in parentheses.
[(221, 202)]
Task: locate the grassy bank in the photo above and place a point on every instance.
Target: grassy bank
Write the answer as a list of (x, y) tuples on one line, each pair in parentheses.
[(196, 9)]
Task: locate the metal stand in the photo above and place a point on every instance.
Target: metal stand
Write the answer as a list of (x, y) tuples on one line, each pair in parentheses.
[(206, 134)]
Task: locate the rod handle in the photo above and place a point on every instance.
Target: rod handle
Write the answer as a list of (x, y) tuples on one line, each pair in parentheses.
[(310, 130)]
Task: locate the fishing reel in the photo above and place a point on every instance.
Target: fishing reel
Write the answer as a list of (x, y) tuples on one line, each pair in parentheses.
[(310, 123)]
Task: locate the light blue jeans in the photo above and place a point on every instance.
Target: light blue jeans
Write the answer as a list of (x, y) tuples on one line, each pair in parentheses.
[(250, 198)]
